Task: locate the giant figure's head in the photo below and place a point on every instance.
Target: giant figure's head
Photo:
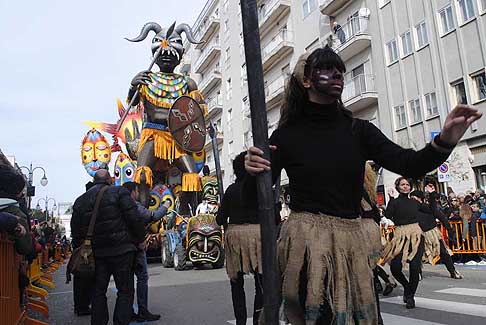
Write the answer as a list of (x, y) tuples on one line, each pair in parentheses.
[(124, 169), (170, 40), (95, 152), (159, 194)]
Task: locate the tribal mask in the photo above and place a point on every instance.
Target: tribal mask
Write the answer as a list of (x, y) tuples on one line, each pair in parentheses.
[(199, 159), (210, 188), (170, 40), (95, 152), (159, 194), (124, 170)]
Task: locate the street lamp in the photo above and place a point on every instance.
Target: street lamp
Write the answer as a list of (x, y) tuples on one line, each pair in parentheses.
[(46, 201), (31, 188)]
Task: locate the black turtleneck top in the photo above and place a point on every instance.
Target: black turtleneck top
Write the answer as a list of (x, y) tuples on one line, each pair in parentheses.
[(324, 155)]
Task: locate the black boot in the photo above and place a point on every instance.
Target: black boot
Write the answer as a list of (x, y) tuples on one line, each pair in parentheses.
[(389, 288), (146, 316), (410, 302)]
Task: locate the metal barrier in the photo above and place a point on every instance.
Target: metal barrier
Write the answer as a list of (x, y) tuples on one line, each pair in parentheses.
[(465, 244), (10, 310)]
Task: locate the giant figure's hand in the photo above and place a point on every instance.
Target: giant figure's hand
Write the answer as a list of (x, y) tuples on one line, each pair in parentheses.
[(457, 122), (141, 78)]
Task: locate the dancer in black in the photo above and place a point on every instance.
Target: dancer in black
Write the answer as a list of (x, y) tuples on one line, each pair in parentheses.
[(435, 249), (324, 264), (242, 243)]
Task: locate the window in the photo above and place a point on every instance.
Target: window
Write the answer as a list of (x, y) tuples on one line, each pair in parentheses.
[(431, 104), (400, 117), (422, 37), (226, 25), (483, 5), (480, 85), (392, 51), (447, 19), (415, 111), (466, 7), (226, 54), (308, 6), (230, 148), (230, 118), (406, 43), (229, 89), (460, 92)]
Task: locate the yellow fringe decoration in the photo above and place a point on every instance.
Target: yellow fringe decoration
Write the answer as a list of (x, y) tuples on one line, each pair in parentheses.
[(191, 182), (164, 145), (148, 175), (198, 97)]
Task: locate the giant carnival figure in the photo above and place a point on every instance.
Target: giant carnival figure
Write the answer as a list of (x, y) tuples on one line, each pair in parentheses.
[(157, 94)]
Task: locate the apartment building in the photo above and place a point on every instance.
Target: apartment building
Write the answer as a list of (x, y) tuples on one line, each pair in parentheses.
[(424, 58)]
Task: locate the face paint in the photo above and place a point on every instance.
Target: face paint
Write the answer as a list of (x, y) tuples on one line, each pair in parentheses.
[(159, 194), (199, 159), (124, 170), (329, 82), (95, 152)]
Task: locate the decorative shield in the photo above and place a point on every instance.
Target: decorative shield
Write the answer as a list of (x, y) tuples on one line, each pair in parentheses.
[(187, 125)]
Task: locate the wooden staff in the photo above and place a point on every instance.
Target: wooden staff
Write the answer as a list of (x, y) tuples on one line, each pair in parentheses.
[(266, 215)]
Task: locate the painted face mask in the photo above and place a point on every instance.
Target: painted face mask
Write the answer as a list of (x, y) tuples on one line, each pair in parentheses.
[(328, 81), (124, 169), (199, 159), (95, 152), (159, 194)]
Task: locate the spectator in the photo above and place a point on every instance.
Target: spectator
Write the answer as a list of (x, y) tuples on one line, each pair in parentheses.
[(117, 231), (465, 214), (147, 216), (337, 29), (475, 217), (10, 225)]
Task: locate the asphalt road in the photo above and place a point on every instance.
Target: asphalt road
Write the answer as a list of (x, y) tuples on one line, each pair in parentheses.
[(203, 297)]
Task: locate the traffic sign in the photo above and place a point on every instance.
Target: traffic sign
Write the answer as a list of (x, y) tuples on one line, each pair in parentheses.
[(443, 174)]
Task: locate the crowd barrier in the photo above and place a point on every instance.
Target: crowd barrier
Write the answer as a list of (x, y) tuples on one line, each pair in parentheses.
[(39, 272), (465, 244)]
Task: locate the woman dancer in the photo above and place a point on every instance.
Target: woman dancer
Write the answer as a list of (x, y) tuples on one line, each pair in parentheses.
[(322, 257)]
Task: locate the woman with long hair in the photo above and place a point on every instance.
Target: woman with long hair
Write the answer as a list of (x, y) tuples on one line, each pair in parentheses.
[(323, 257)]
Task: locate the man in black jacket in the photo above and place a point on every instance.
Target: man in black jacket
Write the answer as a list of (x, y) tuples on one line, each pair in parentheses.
[(117, 231)]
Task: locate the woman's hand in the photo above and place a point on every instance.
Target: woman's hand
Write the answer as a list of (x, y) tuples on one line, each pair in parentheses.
[(254, 163), (457, 122)]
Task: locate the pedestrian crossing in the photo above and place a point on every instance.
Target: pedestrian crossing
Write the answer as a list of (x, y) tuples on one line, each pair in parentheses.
[(426, 307)]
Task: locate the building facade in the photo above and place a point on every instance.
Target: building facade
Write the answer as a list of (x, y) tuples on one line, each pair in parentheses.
[(424, 58)]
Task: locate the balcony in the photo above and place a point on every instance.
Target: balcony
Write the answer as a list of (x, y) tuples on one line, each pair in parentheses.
[(270, 12), (211, 51), (360, 92), (330, 7), (351, 38), (206, 30), (277, 49), (210, 81), (215, 105), (274, 92)]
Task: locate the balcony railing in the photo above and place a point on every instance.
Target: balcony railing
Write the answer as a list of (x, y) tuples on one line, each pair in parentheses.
[(214, 44), (204, 28), (214, 102), (275, 87), (213, 77), (343, 34), (359, 85), (266, 11), (284, 36)]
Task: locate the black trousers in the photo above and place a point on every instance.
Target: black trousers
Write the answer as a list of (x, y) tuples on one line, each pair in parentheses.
[(409, 286), (239, 298), (378, 273), (121, 267), (82, 292), (446, 259)]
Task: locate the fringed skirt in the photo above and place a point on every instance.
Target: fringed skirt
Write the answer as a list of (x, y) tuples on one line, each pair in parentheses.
[(325, 272), (433, 238), (373, 239), (243, 249), (406, 240)]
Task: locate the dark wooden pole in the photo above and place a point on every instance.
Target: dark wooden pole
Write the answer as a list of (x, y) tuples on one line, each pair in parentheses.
[(266, 215)]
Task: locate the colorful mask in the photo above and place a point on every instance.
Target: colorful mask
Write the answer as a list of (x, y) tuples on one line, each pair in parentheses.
[(95, 152), (210, 188), (159, 194), (199, 159), (124, 169)]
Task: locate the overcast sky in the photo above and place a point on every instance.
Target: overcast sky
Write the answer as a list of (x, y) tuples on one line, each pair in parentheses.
[(62, 62)]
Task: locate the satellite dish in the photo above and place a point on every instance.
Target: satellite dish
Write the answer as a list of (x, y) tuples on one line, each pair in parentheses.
[(364, 12)]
